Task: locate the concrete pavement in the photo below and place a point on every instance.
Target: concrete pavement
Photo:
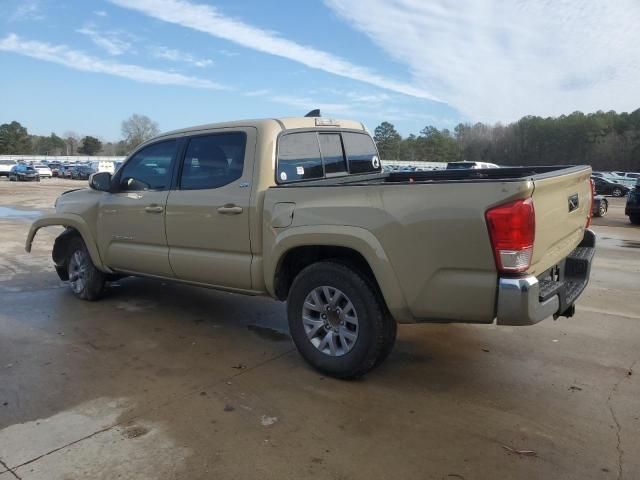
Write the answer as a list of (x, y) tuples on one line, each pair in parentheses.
[(167, 381)]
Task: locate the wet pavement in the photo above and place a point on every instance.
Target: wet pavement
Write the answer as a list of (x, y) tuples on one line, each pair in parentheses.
[(164, 381)]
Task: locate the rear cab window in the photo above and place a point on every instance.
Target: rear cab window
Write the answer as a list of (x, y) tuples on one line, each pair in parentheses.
[(313, 155)]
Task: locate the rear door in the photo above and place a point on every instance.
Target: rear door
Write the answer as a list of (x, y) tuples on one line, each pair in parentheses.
[(131, 224), (208, 212), (562, 205)]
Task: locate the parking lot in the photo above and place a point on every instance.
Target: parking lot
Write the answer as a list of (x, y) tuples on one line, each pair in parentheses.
[(167, 381)]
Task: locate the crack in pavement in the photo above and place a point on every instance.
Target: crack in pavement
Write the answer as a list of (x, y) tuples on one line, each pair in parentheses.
[(8, 470), (162, 405), (619, 448)]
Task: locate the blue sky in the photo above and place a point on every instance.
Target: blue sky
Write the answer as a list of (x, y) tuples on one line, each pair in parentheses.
[(84, 66)]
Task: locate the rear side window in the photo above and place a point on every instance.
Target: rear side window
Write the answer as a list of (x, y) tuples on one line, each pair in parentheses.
[(361, 153), (299, 157), (212, 161)]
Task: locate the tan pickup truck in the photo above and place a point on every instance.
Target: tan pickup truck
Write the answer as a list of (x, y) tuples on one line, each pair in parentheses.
[(299, 209)]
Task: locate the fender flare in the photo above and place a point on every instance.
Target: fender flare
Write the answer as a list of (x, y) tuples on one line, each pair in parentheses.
[(69, 220), (354, 238)]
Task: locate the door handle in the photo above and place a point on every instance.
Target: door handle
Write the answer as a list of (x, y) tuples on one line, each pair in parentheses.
[(230, 209), (154, 209)]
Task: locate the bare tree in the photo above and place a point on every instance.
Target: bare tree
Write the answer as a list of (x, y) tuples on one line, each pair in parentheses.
[(72, 141), (137, 129)]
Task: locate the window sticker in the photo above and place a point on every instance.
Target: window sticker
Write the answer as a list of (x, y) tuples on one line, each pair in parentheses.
[(300, 170), (375, 162), (283, 176)]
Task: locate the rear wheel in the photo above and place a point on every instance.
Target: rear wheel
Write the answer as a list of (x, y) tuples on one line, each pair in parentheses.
[(337, 321), (602, 209), (617, 192), (635, 219), (85, 280)]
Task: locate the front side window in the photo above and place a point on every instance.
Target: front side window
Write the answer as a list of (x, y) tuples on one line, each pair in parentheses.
[(299, 157), (212, 161), (361, 153), (150, 168)]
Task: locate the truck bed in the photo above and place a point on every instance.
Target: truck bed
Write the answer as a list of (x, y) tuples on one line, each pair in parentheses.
[(430, 227), (509, 174)]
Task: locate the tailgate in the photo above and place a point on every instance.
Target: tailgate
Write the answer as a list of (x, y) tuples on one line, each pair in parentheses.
[(562, 202)]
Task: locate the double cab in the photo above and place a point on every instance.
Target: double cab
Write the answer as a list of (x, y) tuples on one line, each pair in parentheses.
[(300, 210)]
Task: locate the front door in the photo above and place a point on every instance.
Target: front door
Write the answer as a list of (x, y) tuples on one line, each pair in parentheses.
[(207, 215), (131, 224)]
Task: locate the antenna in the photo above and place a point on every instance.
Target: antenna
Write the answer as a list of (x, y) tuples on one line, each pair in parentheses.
[(314, 113)]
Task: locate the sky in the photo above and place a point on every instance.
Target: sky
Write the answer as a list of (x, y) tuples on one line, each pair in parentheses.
[(84, 66)]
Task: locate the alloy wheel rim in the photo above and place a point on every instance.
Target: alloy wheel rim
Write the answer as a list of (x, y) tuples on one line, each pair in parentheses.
[(78, 266), (330, 321)]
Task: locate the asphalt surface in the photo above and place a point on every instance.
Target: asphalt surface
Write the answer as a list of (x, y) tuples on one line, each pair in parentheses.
[(162, 381)]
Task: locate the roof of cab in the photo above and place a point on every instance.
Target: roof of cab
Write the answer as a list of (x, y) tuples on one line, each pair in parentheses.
[(288, 123)]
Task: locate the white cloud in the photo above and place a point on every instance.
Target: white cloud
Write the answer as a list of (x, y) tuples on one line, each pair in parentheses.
[(494, 60), (111, 42), (27, 10), (257, 93), (227, 53), (208, 19), (179, 56), (100, 13), (305, 104), (63, 55)]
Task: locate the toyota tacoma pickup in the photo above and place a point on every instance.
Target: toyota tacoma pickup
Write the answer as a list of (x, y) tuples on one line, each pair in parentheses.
[(299, 209)]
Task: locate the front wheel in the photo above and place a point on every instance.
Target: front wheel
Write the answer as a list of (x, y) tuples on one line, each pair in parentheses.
[(85, 280), (337, 320), (617, 192)]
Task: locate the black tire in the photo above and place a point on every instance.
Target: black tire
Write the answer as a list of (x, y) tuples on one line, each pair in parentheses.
[(635, 219), (376, 328), (617, 192), (90, 282)]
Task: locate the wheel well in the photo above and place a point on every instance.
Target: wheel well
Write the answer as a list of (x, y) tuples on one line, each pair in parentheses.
[(298, 258)]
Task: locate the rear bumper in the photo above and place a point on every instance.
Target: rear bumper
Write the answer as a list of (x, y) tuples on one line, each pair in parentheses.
[(528, 300)]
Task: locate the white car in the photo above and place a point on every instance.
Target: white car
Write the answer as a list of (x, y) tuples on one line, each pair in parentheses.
[(6, 166), (628, 179), (43, 171)]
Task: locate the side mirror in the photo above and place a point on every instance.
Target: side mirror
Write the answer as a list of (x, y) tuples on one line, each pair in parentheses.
[(100, 181)]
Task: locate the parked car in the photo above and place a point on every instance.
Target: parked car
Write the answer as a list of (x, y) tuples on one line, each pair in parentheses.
[(600, 206), (82, 172), (65, 171), (628, 179), (43, 171), (470, 165), (23, 173), (6, 166), (298, 209), (632, 208), (606, 187), (55, 168)]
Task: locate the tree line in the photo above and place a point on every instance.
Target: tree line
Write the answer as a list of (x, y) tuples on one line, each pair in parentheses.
[(604, 140), (16, 140)]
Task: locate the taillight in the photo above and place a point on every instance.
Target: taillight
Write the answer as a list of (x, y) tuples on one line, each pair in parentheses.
[(593, 195), (512, 229)]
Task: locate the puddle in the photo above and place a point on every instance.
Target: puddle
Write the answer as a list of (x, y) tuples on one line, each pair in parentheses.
[(268, 333), (9, 212), (631, 244)]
